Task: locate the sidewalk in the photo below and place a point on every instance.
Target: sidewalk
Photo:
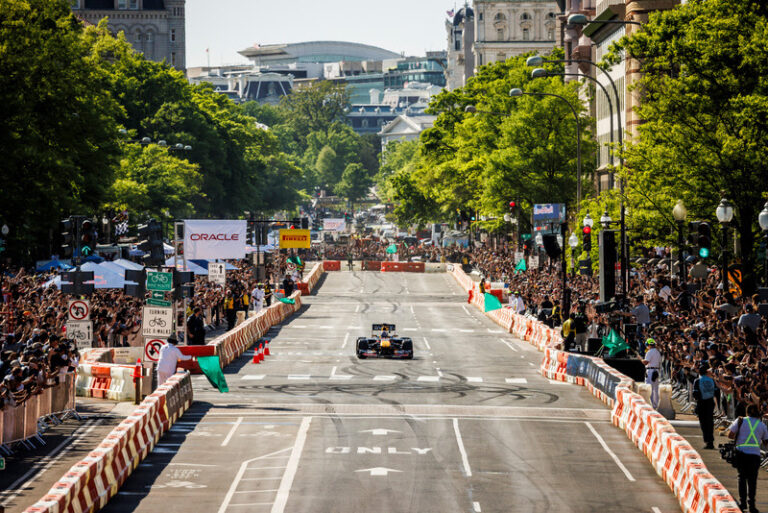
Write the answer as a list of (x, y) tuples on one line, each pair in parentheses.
[(687, 424), (30, 474)]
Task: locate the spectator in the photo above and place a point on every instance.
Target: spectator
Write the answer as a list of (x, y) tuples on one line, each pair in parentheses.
[(196, 327)]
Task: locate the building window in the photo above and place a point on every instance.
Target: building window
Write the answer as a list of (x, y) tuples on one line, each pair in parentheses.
[(365, 123), (526, 34), (501, 57), (148, 37), (500, 34), (134, 4), (550, 33), (457, 40), (122, 4), (525, 17), (173, 59), (480, 59), (173, 35)]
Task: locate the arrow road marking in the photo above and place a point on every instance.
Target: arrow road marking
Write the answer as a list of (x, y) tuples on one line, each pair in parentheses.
[(378, 471), (380, 432)]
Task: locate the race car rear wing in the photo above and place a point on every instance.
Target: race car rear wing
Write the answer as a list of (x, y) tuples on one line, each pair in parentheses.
[(381, 327)]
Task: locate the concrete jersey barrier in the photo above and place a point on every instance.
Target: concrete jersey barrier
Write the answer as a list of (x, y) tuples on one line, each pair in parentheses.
[(671, 456), (91, 482)]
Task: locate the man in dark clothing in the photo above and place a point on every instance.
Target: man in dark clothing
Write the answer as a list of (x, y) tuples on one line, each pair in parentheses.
[(288, 285), (704, 393), (196, 327)]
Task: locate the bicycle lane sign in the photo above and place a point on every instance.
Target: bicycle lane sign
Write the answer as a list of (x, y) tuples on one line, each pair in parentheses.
[(157, 322)]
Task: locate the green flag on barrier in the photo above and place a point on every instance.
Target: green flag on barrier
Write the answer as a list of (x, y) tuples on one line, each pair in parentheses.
[(212, 369), (287, 301), (521, 266), (614, 343), (294, 260), (491, 303)]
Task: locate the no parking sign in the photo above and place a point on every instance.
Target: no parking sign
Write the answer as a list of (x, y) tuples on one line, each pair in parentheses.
[(152, 348)]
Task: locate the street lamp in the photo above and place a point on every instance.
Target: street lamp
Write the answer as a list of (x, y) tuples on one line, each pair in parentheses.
[(679, 212), (588, 220), (724, 213), (573, 242), (605, 219), (762, 219)]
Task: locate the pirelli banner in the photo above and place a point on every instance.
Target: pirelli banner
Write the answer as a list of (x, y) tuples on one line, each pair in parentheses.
[(207, 239), (294, 239)]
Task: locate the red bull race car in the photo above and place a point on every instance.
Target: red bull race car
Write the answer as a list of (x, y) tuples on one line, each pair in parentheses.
[(384, 343)]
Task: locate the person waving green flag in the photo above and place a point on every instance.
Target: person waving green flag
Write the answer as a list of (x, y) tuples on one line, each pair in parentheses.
[(294, 260), (391, 249), (212, 369), (521, 267), (491, 302)]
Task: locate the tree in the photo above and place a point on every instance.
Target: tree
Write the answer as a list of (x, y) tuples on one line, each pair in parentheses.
[(58, 138), (315, 107), (355, 183), (705, 112)]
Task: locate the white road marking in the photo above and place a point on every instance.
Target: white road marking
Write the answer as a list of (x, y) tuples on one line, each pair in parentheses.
[(326, 327), (516, 381), (462, 450), (300, 326), (380, 431), (354, 327), (655, 510), (232, 431), (439, 372), (513, 348), (466, 311), (252, 504), (253, 376), (426, 343), (384, 377), (610, 452), (338, 376), (410, 329), (293, 464), (439, 330), (428, 378), (555, 382), (357, 308), (255, 491), (474, 379), (529, 363), (476, 507), (298, 376), (495, 331), (378, 471), (346, 339), (467, 331), (192, 464), (56, 454)]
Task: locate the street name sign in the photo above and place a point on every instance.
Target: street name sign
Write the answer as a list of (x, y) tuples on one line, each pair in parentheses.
[(159, 281)]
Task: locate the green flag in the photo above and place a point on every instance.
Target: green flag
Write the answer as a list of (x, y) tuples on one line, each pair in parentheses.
[(392, 248), (614, 343), (295, 260), (521, 266), (287, 301), (212, 369), (491, 303)]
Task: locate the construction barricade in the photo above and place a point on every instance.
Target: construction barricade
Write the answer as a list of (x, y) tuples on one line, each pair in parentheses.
[(370, 265), (91, 482), (332, 265), (402, 267), (673, 458)]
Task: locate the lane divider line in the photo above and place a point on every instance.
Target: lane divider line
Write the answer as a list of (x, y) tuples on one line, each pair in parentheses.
[(462, 450), (513, 348), (426, 343), (239, 477), (611, 453), (231, 431), (476, 507), (293, 464), (346, 339)]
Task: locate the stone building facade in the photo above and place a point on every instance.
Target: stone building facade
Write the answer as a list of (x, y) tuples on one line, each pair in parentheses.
[(154, 27)]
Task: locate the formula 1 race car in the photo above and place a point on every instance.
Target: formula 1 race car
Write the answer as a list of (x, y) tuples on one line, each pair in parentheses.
[(384, 343)]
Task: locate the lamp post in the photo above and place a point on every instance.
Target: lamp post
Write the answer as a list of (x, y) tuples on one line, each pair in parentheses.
[(605, 219), (573, 242), (724, 213), (580, 19), (762, 219), (679, 212)]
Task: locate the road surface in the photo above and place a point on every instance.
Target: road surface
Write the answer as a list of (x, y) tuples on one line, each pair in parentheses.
[(469, 425)]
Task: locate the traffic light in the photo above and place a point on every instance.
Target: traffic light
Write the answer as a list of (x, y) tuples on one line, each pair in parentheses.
[(587, 238), (183, 284), (73, 282), (513, 207), (295, 223), (250, 232), (693, 234), (138, 290), (607, 239), (152, 243), (704, 234), (305, 223), (262, 234), (68, 238), (87, 238)]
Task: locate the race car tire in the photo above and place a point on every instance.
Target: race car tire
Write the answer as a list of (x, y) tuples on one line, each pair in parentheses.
[(361, 356)]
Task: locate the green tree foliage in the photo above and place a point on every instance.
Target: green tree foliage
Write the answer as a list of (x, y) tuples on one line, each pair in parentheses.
[(355, 183), (315, 107), (58, 136), (510, 148), (705, 112)]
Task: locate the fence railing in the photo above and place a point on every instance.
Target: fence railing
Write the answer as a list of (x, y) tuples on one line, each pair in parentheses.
[(23, 423)]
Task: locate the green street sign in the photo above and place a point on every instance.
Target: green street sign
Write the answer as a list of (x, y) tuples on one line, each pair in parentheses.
[(158, 302), (526, 236), (157, 294), (160, 281)]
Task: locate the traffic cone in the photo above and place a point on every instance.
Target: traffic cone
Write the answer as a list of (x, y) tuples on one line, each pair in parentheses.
[(137, 369), (266, 347), (256, 355), (261, 352)]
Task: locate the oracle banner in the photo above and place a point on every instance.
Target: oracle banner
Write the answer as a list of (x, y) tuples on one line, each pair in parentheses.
[(206, 239)]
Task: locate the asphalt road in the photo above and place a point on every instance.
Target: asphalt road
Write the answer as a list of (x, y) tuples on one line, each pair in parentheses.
[(469, 425)]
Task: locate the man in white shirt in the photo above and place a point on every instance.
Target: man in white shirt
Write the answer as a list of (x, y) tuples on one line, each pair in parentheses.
[(169, 360), (518, 306), (652, 362), (258, 298)]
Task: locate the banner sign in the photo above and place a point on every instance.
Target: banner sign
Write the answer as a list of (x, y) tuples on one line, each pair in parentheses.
[(549, 212), (602, 379), (334, 225), (209, 239), (294, 239)]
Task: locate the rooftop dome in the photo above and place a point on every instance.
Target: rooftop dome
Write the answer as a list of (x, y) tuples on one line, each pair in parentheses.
[(464, 12)]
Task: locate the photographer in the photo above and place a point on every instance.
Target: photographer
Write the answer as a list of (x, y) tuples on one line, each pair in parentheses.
[(748, 432)]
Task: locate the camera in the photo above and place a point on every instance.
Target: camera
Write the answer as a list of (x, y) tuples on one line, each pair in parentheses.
[(728, 452)]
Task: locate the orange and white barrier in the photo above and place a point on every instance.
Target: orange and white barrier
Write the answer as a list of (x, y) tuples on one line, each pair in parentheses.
[(673, 458), (91, 482), (331, 265)]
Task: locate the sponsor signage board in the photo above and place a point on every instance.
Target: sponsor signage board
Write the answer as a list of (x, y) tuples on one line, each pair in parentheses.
[(549, 212), (294, 239), (210, 239), (334, 225)]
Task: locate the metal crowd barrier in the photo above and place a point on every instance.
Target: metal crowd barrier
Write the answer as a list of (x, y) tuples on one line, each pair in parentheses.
[(23, 424)]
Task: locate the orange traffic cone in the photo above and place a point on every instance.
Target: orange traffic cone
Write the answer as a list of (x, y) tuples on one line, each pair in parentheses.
[(256, 356), (266, 347), (137, 369)]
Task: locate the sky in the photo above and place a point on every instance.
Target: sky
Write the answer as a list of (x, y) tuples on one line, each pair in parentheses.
[(226, 26)]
